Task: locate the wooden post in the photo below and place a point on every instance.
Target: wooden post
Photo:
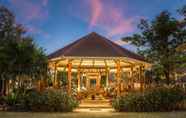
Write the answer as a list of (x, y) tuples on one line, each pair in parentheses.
[(107, 77), (98, 82), (7, 87), (55, 76), (141, 79), (132, 77), (39, 85), (79, 79), (118, 75), (87, 82), (69, 78)]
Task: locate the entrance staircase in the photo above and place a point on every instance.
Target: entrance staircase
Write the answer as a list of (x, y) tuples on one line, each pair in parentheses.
[(98, 104)]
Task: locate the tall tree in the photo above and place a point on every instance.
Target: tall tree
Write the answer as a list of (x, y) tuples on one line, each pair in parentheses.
[(19, 55), (158, 41)]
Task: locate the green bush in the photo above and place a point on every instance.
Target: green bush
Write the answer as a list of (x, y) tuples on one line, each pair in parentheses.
[(157, 99), (36, 101), (60, 101), (47, 101), (51, 101), (17, 100), (11, 99)]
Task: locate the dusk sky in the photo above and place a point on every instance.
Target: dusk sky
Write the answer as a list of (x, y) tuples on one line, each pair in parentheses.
[(55, 23)]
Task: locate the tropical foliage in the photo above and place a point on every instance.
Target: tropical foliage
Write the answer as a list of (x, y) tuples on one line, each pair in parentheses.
[(158, 41), (20, 57), (50, 100), (156, 99)]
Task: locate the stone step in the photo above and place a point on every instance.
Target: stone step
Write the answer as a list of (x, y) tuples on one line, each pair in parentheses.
[(95, 106), (95, 101), (99, 104), (94, 110)]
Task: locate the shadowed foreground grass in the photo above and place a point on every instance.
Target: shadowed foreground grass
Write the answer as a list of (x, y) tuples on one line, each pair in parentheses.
[(93, 115)]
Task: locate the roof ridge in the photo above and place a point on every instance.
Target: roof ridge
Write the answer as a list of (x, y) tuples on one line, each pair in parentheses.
[(76, 43), (110, 43)]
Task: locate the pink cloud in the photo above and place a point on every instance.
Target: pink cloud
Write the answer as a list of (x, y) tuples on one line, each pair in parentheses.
[(122, 25), (110, 18), (31, 13), (96, 7), (30, 10), (44, 2)]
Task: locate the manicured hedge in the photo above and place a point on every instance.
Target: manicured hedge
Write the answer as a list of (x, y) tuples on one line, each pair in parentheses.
[(156, 99)]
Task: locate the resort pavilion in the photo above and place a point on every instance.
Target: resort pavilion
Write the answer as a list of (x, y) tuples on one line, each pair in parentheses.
[(94, 58)]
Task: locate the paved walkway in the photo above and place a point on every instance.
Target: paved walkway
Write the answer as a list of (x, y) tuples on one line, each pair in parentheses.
[(93, 115)]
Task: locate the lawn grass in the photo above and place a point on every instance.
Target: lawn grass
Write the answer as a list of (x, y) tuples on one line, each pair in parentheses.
[(93, 115)]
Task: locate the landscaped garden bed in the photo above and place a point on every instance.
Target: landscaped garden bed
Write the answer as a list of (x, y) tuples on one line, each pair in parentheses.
[(50, 100), (156, 99)]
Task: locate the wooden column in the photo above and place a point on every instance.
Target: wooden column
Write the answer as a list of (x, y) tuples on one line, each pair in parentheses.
[(87, 82), (69, 66), (98, 82), (118, 75), (55, 76), (141, 78), (79, 79), (132, 77), (107, 77)]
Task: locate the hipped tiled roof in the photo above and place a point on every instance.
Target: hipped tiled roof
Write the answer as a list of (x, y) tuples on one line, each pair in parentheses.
[(94, 45)]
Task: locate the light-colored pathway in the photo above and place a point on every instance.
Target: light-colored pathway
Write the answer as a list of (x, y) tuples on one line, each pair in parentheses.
[(93, 115)]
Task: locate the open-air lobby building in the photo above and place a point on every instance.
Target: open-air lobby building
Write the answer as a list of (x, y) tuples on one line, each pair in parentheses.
[(96, 65)]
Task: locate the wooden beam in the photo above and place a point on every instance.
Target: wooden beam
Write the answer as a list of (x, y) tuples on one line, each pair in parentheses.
[(98, 67), (108, 58), (127, 62)]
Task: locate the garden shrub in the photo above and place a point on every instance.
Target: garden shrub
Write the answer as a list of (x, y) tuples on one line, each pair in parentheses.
[(17, 100), (11, 99), (36, 101), (48, 101), (157, 99), (60, 101), (51, 101)]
